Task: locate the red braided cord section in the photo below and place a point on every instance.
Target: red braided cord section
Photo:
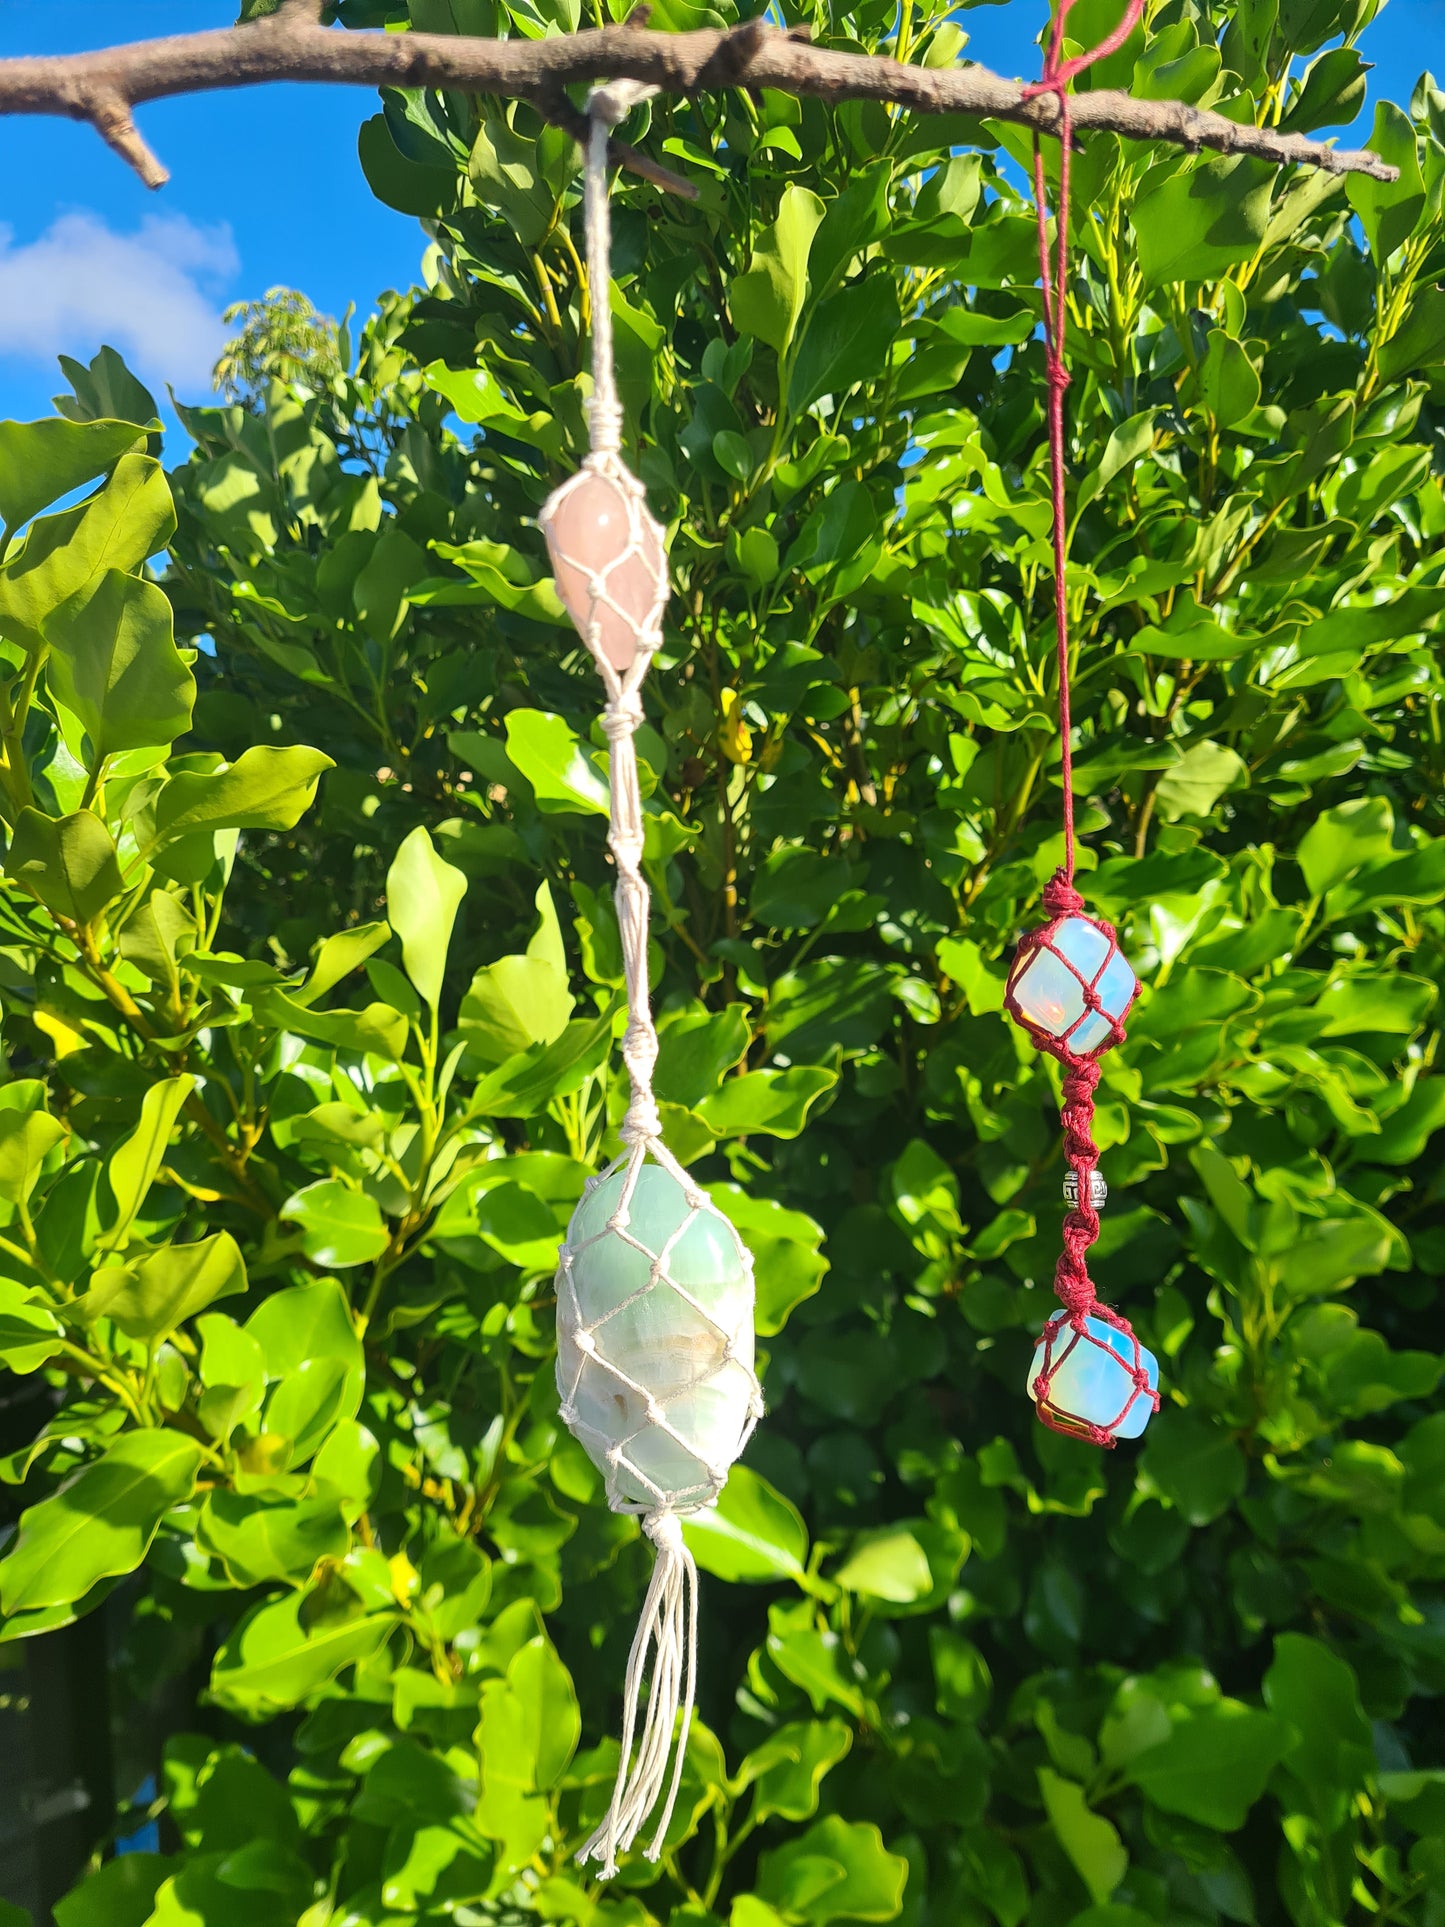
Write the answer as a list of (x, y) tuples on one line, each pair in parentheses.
[(1073, 1287)]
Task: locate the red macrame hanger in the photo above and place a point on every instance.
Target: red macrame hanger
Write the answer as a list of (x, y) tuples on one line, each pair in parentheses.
[(1077, 1023)]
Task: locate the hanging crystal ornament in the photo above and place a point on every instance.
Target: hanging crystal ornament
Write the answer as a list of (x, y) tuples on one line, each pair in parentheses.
[(1070, 986), (654, 1285)]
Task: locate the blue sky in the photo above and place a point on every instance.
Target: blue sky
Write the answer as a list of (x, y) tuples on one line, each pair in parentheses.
[(266, 188)]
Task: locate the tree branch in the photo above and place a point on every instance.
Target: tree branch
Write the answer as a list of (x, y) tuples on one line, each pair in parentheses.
[(103, 87)]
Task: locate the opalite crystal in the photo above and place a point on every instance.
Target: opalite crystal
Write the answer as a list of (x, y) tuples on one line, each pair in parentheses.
[(607, 561), (620, 1319), (1094, 1382), (1049, 987)]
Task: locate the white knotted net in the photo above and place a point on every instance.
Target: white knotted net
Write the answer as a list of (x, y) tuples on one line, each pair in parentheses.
[(654, 1285), (669, 1439)]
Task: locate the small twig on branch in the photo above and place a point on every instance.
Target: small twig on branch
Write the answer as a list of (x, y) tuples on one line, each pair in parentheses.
[(103, 87), (110, 115)]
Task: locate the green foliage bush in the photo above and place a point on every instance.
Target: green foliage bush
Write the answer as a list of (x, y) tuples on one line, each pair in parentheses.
[(311, 984)]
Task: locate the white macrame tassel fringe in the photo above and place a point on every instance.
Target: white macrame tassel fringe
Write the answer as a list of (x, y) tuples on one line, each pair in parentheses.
[(668, 1622)]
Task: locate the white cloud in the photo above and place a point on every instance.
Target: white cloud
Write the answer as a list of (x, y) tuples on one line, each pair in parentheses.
[(154, 294)]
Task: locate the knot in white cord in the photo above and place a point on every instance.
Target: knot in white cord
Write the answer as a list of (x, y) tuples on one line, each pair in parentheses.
[(614, 100), (664, 1529), (622, 717), (643, 1122)]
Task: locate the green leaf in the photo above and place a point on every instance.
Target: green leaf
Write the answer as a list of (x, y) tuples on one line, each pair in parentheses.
[(319, 1393), (233, 1371), (69, 863), (846, 340), (837, 1870), (1342, 840), (100, 1523), (114, 662), (1193, 218), (423, 189), (505, 176), (887, 1564), (29, 1334), (378, 1028), (120, 1894), (1092, 1843), (1332, 1253), (546, 750), (477, 396), (1331, 93), (787, 1770), (1419, 341), (788, 1262), (338, 956), (1195, 784), (339, 1227), (753, 1534), (543, 1688), (270, 1662), (535, 1078), (519, 1001), (300, 1331), (259, 1538), (698, 1050), (774, 1103), (104, 389), (1405, 1133), (66, 555), (432, 1867), (149, 1299), (1389, 210), (1316, 1693), (767, 300), (41, 461), (155, 935), (1229, 384), (1195, 1464), (264, 789), (1214, 1765), (423, 894), (27, 1137), (962, 1680), (135, 1162)]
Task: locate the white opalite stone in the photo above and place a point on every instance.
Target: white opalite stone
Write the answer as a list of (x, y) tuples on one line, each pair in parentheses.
[(1093, 1381), (1051, 994), (617, 1308)]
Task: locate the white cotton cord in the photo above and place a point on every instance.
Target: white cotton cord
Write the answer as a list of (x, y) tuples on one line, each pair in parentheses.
[(606, 107), (668, 1625), (634, 906)]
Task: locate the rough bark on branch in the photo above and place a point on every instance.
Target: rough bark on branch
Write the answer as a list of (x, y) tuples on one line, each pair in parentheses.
[(102, 87)]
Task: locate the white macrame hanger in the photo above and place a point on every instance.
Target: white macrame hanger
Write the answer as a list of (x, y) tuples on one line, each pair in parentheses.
[(665, 1447)]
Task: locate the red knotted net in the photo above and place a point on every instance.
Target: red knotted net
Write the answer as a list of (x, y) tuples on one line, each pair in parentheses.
[(1073, 1286)]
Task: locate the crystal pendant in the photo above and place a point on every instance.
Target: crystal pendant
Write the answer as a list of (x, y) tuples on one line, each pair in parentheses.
[(655, 1338), (608, 562), (1094, 1382), (1052, 974)]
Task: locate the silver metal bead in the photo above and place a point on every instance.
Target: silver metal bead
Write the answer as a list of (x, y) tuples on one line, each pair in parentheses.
[(1098, 1190)]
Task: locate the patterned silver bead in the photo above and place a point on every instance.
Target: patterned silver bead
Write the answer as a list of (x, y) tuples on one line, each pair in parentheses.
[(1098, 1190)]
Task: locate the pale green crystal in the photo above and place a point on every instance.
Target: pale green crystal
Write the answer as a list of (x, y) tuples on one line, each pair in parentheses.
[(694, 1359)]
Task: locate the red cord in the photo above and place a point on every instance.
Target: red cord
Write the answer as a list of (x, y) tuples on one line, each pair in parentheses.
[(1054, 279)]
